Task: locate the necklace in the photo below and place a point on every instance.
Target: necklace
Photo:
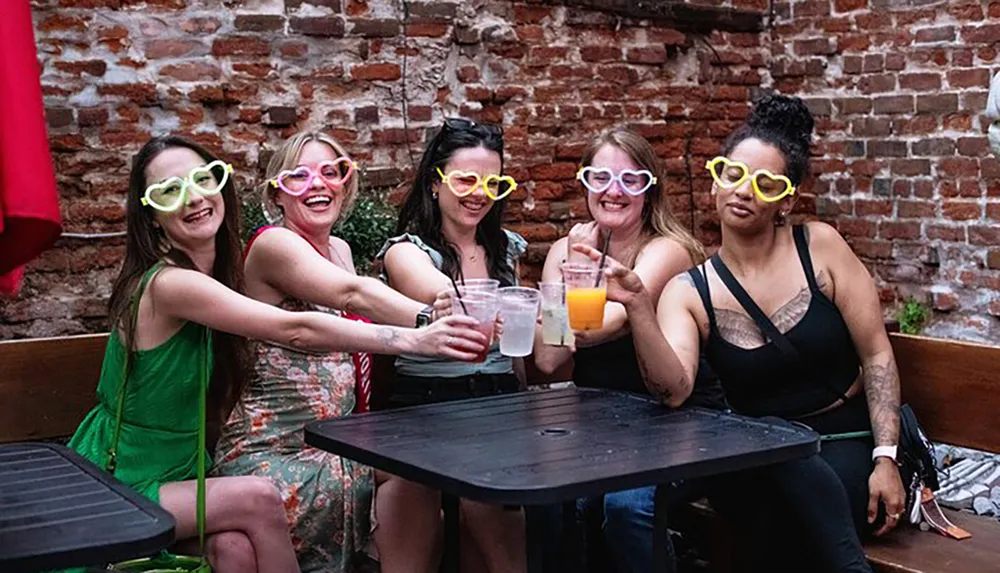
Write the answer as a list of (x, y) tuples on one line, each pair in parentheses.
[(474, 256)]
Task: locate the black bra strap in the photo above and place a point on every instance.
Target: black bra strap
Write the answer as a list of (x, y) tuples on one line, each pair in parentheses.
[(701, 283), (802, 246)]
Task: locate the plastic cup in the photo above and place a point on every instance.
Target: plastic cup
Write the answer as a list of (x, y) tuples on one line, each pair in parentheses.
[(555, 318), (483, 285), (586, 295), (519, 310), (481, 306)]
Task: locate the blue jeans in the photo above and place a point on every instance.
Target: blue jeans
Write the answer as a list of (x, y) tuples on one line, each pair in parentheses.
[(628, 524)]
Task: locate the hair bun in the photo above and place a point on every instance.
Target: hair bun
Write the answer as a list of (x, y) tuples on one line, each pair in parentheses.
[(788, 115)]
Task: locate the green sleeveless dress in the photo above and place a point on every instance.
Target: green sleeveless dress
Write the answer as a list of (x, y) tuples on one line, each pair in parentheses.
[(158, 443)]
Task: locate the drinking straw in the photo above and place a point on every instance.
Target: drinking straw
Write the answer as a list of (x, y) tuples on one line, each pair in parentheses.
[(604, 255), (458, 295)]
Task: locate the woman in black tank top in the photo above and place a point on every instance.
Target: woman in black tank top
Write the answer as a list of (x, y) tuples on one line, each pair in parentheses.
[(791, 322)]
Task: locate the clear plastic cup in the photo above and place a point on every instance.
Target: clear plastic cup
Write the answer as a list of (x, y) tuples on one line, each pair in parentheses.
[(519, 311), (480, 305), (586, 295), (555, 318), (484, 285)]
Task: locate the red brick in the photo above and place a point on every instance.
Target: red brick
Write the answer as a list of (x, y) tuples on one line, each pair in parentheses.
[(467, 74), (849, 5), (966, 11), (171, 48), (322, 26), (975, 78), (898, 230), (259, 22), (207, 94), (961, 210), (373, 72), (993, 211), (63, 23), (886, 148), (600, 54), (816, 46), (652, 55), (294, 49), (868, 207), (937, 104), (943, 232), (877, 83), (853, 105), (257, 70), (944, 301), (984, 235), (91, 116), (911, 167), (240, 46), (478, 93), (427, 29), (142, 94), (958, 167), (895, 62), (915, 209), (937, 34), (920, 82), (528, 14), (420, 112), (973, 146), (394, 136), (192, 71), (893, 105), (672, 37), (375, 27), (869, 249), (201, 25), (503, 94)]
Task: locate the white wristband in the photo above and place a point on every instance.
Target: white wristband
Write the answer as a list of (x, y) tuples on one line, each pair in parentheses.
[(884, 452)]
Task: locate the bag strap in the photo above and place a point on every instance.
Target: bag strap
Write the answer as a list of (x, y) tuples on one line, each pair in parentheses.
[(204, 369), (764, 323)]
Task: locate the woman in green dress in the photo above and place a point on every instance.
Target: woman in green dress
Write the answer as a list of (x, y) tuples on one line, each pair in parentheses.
[(182, 265)]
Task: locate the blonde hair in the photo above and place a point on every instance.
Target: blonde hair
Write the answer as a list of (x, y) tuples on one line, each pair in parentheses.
[(657, 219), (287, 157)]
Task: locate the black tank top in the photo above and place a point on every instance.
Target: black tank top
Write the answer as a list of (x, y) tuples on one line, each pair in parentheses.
[(613, 365), (762, 381)]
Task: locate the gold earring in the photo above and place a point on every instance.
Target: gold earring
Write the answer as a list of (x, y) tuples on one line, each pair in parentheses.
[(780, 219)]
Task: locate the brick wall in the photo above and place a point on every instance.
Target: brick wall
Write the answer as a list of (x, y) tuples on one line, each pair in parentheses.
[(905, 170), (902, 169), (242, 75)]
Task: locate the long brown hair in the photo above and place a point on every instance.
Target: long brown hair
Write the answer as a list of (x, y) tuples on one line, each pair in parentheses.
[(657, 219), (145, 246)]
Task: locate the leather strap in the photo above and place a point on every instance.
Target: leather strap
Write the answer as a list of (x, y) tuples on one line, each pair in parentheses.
[(204, 369)]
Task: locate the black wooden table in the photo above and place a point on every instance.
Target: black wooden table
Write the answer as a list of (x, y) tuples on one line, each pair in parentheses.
[(553, 446), (59, 510)]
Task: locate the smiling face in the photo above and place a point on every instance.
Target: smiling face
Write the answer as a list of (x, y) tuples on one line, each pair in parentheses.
[(466, 212), (739, 207), (320, 204), (198, 219), (615, 209)]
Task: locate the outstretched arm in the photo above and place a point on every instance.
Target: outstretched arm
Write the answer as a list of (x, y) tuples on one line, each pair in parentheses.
[(193, 296), (289, 264)]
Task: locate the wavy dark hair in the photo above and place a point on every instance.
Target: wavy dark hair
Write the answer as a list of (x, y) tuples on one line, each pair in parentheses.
[(421, 215), (145, 246), (784, 122)]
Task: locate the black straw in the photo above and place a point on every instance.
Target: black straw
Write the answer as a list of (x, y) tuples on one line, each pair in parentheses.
[(458, 295), (604, 255)]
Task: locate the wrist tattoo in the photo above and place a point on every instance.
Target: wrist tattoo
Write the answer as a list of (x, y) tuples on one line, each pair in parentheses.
[(387, 336), (882, 391)]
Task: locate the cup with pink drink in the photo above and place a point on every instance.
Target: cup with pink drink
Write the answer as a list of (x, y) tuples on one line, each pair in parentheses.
[(478, 298)]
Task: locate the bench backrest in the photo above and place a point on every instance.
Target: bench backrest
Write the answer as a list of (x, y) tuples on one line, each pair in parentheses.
[(953, 387), (48, 385)]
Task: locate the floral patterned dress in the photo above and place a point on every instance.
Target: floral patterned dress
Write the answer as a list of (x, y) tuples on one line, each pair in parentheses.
[(328, 499)]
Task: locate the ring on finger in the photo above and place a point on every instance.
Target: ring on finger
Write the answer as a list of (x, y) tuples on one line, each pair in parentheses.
[(894, 516), (448, 341)]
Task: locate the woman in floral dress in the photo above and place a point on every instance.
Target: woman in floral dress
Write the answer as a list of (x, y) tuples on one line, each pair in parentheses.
[(298, 266)]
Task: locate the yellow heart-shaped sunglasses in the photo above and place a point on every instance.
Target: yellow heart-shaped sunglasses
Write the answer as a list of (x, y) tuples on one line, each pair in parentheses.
[(730, 174), (465, 183)]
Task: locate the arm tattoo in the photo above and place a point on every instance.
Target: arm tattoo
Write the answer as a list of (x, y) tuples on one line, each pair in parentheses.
[(387, 336), (660, 393), (882, 390)]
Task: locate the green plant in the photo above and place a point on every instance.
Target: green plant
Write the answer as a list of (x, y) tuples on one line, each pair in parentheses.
[(912, 316), (366, 228)]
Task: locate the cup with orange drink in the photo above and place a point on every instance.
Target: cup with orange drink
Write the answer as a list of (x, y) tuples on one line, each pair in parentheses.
[(586, 294)]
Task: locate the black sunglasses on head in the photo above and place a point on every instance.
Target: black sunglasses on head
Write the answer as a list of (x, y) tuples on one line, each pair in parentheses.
[(460, 124)]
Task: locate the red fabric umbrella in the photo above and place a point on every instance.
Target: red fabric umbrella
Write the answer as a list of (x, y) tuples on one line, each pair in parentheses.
[(29, 203)]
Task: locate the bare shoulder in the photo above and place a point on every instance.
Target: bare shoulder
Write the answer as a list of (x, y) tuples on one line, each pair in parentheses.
[(341, 246), (666, 251), (404, 253), (558, 248), (823, 238)]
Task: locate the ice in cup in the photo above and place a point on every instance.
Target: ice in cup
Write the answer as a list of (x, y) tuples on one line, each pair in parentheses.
[(586, 295), (480, 305), (519, 311), (555, 318)]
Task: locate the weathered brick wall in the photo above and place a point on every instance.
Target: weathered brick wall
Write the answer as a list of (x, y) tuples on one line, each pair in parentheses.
[(905, 171), (242, 75)]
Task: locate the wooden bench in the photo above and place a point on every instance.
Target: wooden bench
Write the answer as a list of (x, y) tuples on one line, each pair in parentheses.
[(47, 385)]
